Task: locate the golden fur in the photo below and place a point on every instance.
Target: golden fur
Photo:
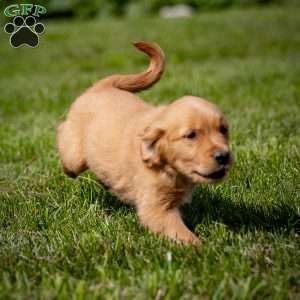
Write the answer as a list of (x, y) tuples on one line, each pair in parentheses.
[(150, 157)]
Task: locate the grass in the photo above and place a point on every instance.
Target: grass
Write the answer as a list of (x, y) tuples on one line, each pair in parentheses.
[(62, 238)]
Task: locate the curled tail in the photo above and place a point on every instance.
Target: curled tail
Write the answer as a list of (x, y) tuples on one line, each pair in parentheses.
[(141, 81)]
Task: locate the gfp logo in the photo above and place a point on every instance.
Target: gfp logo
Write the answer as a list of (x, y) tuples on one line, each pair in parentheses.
[(24, 28)]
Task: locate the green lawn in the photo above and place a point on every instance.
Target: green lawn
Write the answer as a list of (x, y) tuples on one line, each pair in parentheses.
[(61, 237)]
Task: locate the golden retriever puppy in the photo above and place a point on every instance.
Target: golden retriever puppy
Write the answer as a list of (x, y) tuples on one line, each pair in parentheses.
[(150, 157)]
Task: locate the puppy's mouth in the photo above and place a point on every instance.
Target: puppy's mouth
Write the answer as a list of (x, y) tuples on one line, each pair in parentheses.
[(214, 175)]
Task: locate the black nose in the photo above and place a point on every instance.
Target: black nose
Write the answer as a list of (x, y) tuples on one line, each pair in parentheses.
[(222, 157)]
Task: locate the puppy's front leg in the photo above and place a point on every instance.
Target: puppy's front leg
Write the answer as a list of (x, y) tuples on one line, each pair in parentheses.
[(167, 222)]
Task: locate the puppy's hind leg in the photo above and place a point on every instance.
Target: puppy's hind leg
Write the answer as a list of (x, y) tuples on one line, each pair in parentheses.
[(70, 148)]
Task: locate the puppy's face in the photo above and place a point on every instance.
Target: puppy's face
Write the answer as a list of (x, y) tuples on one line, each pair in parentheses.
[(192, 137)]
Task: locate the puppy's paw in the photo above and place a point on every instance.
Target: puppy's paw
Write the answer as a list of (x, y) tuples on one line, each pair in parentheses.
[(191, 239), (69, 173)]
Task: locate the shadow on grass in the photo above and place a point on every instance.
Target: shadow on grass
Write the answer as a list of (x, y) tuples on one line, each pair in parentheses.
[(209, 205)]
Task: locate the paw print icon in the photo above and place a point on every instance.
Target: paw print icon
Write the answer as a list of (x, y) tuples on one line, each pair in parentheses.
[(24, 31)]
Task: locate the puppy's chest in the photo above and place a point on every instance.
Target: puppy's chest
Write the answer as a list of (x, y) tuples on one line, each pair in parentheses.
[(187, 197), (174, 198), (176, 194)]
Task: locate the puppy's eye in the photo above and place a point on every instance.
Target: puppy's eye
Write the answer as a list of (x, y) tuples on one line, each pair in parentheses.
[(224, 130), (191, 135)]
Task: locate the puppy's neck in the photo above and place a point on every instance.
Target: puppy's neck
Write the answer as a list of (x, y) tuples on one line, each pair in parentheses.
[(172, 187), (172, 178)]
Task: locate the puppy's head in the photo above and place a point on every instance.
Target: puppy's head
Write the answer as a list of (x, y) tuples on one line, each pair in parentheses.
[(191, 136)]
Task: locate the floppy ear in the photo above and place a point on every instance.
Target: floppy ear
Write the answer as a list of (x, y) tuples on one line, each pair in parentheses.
[(149, 145)]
